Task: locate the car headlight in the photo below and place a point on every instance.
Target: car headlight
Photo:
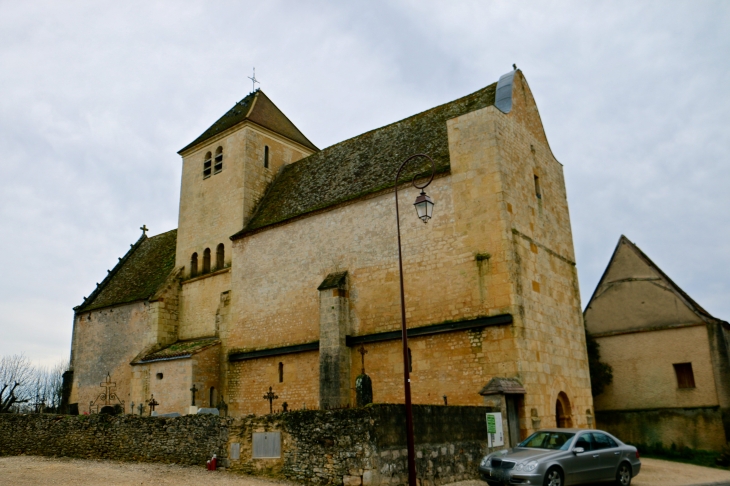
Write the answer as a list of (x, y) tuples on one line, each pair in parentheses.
[(531, 466), (485, 461), (519, 467)]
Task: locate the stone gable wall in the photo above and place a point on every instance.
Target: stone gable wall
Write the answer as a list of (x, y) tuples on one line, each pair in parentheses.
[(106, 341)]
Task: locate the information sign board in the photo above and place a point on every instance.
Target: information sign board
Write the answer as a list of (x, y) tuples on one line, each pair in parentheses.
[(494, 429)]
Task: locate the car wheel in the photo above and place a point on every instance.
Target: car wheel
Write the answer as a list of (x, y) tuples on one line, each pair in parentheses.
[(553, 477), (623, 475)]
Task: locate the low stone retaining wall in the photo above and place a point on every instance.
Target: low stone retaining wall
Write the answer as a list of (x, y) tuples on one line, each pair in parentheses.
[(361, 446), (697, 428), (191, 439), (367, 445)]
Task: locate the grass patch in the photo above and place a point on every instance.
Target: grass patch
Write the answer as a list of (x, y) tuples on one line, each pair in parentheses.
[(686, 455)]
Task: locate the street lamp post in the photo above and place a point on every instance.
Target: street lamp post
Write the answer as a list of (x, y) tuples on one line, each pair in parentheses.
[(424, 209)]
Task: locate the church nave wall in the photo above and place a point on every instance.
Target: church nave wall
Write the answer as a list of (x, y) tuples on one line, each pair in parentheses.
[(249, 380)]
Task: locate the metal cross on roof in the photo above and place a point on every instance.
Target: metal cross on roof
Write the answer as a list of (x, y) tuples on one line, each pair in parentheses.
[(253, 80), (363, 352), (144, 229)]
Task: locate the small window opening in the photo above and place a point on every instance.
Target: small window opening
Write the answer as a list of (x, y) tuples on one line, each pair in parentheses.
[(212, 399), (685, 376), (206, 165), (159, 376), (266, 156), (206, 260), (219, 254), (194, 264), (218, 160), (538, 192), (410, 361), (281, 372)]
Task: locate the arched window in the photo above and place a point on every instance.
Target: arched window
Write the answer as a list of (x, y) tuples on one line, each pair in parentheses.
[(266, 156), (410, 361), (212, 400), (538, 191), (218, 160), (281, 372), (194, 264), (219, 254), (206, 165), (206, 260)]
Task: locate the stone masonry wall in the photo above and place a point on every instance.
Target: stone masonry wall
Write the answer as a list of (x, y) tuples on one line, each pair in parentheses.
[(697, 428), (366, 446), (190, 440), (106, 341), (361, 446)]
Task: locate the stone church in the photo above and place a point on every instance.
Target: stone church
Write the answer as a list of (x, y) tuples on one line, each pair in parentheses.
[(283, 271)]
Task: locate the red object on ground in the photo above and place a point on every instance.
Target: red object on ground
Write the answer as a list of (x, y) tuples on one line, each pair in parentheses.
[(213, 463)]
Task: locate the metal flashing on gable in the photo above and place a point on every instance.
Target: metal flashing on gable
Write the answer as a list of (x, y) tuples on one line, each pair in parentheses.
[(503, 98)]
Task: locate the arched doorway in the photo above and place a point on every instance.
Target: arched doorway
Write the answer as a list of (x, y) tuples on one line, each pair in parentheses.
[(563, 413)]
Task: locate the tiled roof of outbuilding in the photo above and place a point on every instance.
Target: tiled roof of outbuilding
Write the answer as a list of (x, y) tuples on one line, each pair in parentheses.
[(362, 165), (179, 350), (258, 108), (503, 386), (138, 275)]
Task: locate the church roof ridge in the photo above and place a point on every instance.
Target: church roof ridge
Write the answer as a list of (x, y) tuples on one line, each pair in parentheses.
[(137, 275), (691, 303), (258, 108), (361, 165)]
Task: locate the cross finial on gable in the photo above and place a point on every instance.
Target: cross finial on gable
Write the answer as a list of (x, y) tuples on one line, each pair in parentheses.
[(144, 229), (253, 80)]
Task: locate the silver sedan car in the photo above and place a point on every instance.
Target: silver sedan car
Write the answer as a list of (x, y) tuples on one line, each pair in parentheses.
[(558, 457)]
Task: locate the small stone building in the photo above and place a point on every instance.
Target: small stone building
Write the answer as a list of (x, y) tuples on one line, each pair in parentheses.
[(671, 372), (285, 263)]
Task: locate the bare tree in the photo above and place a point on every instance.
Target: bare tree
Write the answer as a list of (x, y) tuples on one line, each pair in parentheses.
[(46, 387), (16, 374)]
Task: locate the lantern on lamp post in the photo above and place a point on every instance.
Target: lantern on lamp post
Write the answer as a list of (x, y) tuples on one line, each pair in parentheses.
[(424, 208)]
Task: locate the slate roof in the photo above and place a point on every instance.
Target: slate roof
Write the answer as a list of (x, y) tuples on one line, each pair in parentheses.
[(258, 108), (362, 165), (138, 275), (697, 308), (179, 350), (503, 386)]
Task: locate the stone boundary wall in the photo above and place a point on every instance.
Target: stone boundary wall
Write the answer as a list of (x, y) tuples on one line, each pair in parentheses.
[(359, 446), (697, 428), (190, 440), (367, 446)]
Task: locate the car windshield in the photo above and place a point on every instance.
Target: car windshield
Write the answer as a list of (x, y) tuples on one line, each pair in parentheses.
[(548, 440)]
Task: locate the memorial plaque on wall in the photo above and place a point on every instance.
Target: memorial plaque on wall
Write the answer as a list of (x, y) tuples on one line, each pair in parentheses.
[(266, 445)]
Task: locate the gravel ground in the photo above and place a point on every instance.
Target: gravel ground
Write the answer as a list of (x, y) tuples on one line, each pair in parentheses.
[(29, 470)]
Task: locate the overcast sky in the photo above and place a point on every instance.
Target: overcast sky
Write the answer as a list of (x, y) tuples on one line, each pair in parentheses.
[(96, 99)]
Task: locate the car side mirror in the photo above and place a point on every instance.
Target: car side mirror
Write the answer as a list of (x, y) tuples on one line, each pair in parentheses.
[(578, 450)]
